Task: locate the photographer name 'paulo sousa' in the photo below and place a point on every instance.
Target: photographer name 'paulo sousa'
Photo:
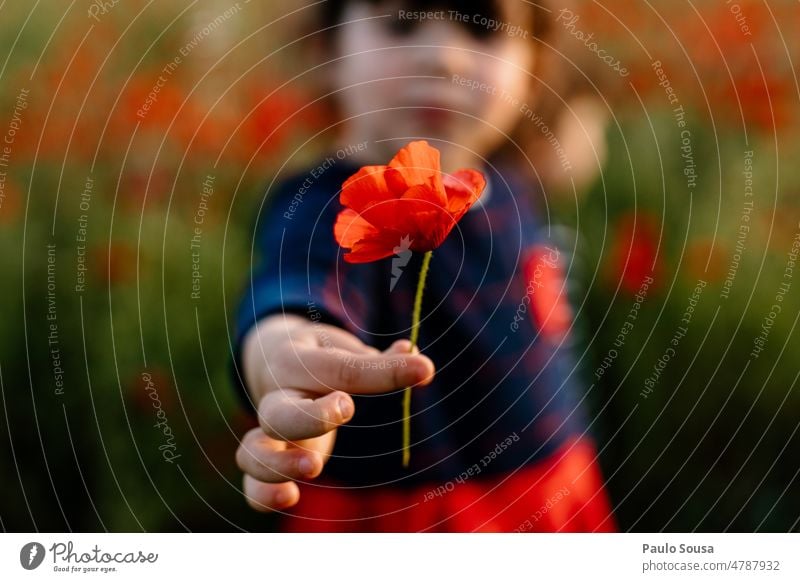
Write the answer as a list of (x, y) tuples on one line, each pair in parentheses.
[(673, 549)]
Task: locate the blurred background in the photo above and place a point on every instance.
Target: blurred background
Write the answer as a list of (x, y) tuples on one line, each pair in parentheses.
[(138, 139)]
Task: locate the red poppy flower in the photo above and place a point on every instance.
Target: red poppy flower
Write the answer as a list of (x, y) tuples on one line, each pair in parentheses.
[(410, 197), (635, 251)]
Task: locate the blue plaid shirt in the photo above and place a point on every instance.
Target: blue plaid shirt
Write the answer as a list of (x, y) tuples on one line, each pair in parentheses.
[(506, 391)]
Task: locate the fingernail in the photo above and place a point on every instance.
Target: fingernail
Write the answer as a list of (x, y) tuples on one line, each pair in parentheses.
[(305, 465), (345, 408), (405, 346), (421, 371)]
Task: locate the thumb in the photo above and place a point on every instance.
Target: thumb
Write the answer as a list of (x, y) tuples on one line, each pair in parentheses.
[(400, 347)]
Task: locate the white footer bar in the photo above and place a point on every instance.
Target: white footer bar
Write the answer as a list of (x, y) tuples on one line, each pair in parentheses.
[(401, 557)]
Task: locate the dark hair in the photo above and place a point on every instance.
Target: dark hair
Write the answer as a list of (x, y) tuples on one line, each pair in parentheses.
[(489, 9)]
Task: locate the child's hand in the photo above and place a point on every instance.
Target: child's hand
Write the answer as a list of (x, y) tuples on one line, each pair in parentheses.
[(301, 373)]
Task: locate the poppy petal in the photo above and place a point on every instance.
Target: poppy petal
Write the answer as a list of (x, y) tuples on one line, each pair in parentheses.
[(463, 189), (395, 181), (365, 242), (350, 228), (413, 216), (365, 187), (419, 163), (410, 199), (372, 248)]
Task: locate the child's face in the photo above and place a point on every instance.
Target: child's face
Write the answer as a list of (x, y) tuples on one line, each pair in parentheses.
[(398, 75)]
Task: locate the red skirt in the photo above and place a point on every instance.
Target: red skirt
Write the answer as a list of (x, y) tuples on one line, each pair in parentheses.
[(562, 493)]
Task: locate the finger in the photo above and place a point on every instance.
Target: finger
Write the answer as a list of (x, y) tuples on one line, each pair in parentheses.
[(330, 336), (290, 415), (323, 370), (402, 346), (270, 461), (270, 496)]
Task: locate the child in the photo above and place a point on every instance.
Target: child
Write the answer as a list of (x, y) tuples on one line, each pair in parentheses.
[(499, 442)]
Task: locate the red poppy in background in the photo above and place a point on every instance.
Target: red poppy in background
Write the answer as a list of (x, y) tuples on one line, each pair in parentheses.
[(634, 253), (113, 264), (410, 199), (10, 201)]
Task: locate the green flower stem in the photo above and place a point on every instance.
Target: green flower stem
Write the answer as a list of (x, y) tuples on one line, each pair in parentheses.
[(423, 274)]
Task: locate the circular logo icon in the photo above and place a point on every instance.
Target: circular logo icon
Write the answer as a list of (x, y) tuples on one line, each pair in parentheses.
[(31, 555)]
